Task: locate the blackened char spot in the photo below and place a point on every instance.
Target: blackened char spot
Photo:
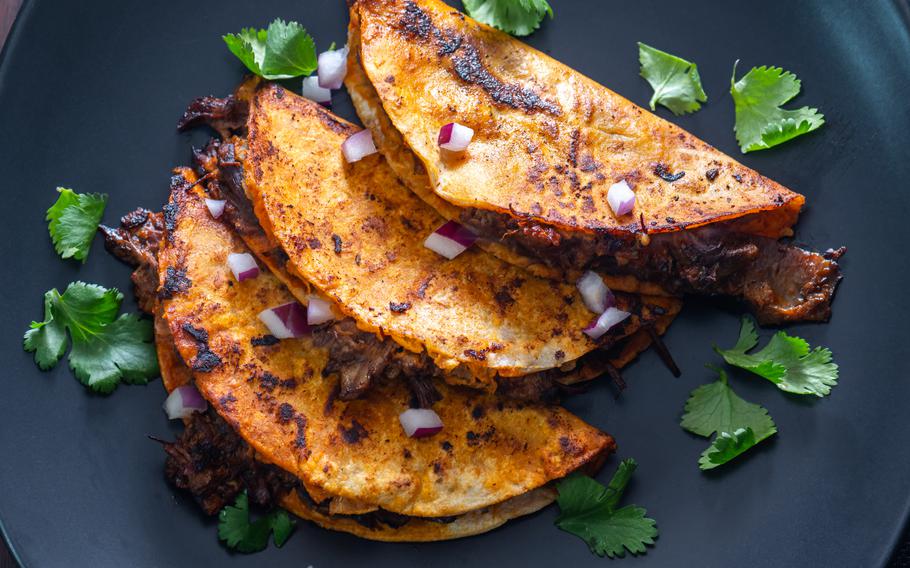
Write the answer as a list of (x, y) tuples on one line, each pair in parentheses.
[(175, 282), (264, 340), (399, 308), (415, 21), (417, 24), (285, 412), (336, 241), (569, 446), (205, 360), (573, 149), (170, 213), (469, 68), (353, 434), (300, 439), (198, 334), (504, 298), (474, 354), (712, 174), (227, 401), (661, 171), (268, 381)]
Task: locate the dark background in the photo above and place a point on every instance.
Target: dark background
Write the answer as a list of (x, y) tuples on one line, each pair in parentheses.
[(89, 93)]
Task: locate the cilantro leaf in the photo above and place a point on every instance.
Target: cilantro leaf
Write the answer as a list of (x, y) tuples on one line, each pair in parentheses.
[(105, 349), (588, 510), (236, 530), (73, 220), (716, 408), (785, 361), (283, 51), (675, 81), (516, 17), (727, 446), (282, 526), (249, 47), (760, 122)]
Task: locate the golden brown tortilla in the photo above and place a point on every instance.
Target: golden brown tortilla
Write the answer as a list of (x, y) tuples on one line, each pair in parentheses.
[(276, 398), (548, 142), (475, 315)]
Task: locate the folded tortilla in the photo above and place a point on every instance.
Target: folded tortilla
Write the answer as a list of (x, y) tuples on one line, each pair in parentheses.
[(549, 143), (355, 233), (492, 461)]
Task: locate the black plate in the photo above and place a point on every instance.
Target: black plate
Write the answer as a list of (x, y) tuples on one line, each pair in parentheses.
[(89, 95)]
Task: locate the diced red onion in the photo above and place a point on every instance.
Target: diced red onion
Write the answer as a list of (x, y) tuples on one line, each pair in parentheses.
[(286, 321), (184, 401), (243, 265), (332, 67), (318, 311), (605, 321), (594, 292), (420, 422), (455, 137), (216, 206), (621, 198), (315, 93), (358, 145), (450, 240)]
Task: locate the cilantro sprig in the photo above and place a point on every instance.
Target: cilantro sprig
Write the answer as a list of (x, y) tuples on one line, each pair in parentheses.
[(589, 511), (283, 51), (105, 348), (739, 425), (516, 17), (73, 220), (675, 81), (760, 122), (786, 361), (239, 533)]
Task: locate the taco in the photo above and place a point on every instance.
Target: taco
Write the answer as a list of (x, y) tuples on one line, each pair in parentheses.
[(548, 145), (353, 234), (347, 465)]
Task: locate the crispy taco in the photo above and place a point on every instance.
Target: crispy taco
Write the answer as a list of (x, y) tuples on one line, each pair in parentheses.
[(347, 465), (548, 145), (354, 234)]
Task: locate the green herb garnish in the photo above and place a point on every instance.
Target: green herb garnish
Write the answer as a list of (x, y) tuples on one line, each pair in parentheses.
[(760, 122), (516, 17), (675, 81), (740, 425), (105, 348), (73, 220), (236, 530), (283, 51), (589, 511), (786, 361)]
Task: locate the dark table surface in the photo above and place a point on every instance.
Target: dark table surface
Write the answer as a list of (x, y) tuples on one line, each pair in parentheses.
[(8, 11)]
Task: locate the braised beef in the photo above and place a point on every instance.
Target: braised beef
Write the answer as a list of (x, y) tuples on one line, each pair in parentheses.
[(779, 281), (135, 242), (214, 464)]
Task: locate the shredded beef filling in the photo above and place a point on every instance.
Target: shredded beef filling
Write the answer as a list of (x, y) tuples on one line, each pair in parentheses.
[(135, 242), (779, 281), (210, 461), (214, 464)]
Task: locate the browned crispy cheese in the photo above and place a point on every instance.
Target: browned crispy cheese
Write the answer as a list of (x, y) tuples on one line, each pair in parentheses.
[(492, 461), (356, 234), (549, 143)]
